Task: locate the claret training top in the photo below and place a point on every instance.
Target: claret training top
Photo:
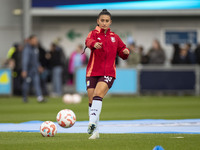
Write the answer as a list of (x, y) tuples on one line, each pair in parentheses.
[(102, 61)]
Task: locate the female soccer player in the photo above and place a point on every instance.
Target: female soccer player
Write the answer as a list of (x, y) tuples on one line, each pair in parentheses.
[(101, 70)]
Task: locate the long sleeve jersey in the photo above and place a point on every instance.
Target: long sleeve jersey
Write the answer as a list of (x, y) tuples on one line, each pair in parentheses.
[(102, 61)]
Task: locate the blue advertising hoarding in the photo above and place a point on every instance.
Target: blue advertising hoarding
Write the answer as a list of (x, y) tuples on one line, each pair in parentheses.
[(118, 4), (181, 37), (5, 82), (126, 81)]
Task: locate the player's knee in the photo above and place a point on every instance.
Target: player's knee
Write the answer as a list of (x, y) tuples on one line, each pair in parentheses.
[(98, 93)]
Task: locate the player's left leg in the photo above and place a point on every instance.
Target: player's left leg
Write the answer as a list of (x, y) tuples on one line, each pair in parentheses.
[(90, 92)]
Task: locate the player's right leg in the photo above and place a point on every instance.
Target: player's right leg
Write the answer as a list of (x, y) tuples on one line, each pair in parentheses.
[(95, 135)]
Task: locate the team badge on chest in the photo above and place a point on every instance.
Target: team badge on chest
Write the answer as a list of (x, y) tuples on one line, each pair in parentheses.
[(113, 39)]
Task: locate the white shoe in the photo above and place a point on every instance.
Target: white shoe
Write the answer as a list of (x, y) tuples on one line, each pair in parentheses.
[(91, 128), (94, 136)]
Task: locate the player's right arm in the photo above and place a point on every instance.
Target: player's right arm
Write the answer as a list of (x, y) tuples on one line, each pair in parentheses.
[(91, 42)]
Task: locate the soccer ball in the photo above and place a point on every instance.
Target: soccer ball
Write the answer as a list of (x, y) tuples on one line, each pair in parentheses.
[(76, 98), (67, 99), (48, 129), (66, 118), (72, 99)]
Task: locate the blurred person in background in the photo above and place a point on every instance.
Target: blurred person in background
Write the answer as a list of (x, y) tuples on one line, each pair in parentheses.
[(64, 60), (156, 54), (9, 61), (31, 68), (17, 78), (143, 57), (183, 55), (117, 61), (12, 50), (76, 60), (45, 73), (56, 66), (197, 53), (134, 56), (191, 54), (176, 49)]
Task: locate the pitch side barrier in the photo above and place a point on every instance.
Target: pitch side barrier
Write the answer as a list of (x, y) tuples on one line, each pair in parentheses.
[(169, 79), (150, 80), (5, 81)]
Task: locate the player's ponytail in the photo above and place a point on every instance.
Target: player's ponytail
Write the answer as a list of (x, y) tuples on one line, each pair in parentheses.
[(104, 12), (84, 50)]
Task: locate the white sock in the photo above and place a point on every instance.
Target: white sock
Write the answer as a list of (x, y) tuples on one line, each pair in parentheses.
[(89, 109), (95, 109), (97, 123)]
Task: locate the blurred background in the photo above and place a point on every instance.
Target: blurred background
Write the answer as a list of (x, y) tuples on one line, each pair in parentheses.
[(163, 37)]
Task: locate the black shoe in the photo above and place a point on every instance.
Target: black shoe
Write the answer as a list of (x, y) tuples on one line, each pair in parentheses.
[(25, 100)]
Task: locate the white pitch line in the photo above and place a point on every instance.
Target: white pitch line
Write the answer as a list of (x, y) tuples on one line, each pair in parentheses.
[(179, 137)]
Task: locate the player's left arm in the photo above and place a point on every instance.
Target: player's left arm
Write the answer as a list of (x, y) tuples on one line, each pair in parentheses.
[(122, 50)]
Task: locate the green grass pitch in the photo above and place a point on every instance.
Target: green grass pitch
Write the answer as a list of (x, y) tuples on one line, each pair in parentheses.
[(114, 108)]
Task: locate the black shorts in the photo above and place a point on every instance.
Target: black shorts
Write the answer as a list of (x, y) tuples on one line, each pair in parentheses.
[(91, 82)]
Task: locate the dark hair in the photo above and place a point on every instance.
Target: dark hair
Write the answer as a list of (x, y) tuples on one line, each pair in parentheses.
[(104, 12), (189, 45), (53, 45), (32, 36)]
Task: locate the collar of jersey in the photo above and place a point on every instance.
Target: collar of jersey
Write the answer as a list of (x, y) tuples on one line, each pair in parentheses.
[(102, 30)]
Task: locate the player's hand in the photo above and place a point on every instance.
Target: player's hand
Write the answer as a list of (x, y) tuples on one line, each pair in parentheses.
[(98, 45), (24, 74), (126, 51)]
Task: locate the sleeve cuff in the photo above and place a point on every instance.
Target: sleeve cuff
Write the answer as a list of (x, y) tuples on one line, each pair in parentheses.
[(123, 55), (92, 44)]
